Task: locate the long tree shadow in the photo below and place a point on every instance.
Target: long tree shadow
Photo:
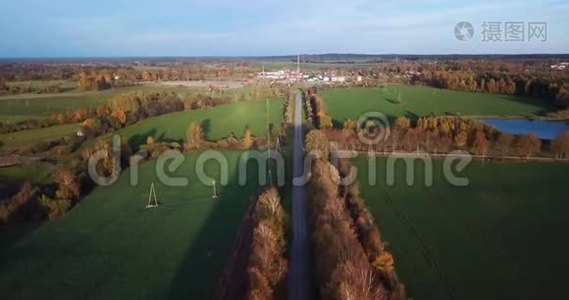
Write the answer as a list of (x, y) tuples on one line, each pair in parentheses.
[(11, 235), (206, 127), (200, 271), (140, 139)]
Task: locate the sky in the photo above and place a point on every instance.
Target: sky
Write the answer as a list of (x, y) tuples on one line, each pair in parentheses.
[(117, 28)]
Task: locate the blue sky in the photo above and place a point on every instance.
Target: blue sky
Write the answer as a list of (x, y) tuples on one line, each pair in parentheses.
[(78, 28)]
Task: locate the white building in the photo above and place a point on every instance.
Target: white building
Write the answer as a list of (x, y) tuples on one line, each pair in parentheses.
[(338, 79)]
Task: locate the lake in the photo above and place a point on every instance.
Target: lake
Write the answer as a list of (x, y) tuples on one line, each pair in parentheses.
[(545, 130)]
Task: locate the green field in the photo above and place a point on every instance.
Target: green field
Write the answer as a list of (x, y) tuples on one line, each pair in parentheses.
[(12, 177), (218, 122), (111, 247), (414, 101), (15, 139), (65, 85), (29, 106), (502, 237)]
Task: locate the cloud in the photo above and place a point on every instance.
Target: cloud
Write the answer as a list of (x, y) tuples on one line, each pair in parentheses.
[(259, 27)]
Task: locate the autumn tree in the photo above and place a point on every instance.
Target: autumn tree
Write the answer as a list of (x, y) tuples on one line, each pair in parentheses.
[(288, 111), (461, 139), (81, 115), (317, 143), (106, 165), (527, 145), (562, 97), (402, 123), (324, 121), (248, 141), (13, 207), (480, 143), (93, 81), (350, 125), (68, 185), (119, 115), (267, 262), (560, 145), (3, 85), (504, 143), (194, 135), (59, 118), (103, 111), (54, 208)]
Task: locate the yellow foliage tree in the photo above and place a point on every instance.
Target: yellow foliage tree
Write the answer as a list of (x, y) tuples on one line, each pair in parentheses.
[(402, 123), (461, 139), (324, 121), (194, 135), (316, 142), (350, 125), (385, 263), (248, 140), (119, 115)]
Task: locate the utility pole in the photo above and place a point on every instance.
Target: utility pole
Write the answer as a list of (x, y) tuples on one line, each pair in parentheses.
[(298, 64)]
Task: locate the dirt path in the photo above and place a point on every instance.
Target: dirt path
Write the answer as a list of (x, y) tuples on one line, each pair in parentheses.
[(299, 279)]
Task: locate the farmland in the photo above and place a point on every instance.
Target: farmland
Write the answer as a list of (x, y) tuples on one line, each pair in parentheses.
[(15, 139), (30, 106), (498, 238), (217, 122), (415, 101), (111, 247), (12, 177)]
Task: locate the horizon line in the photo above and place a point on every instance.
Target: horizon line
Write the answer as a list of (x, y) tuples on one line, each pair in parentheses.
[(280, 55)]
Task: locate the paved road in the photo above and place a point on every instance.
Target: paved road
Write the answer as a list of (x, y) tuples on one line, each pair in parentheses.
[(299, 280)]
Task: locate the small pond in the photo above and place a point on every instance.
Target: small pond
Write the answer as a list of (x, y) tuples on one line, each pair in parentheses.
[(545, 130)]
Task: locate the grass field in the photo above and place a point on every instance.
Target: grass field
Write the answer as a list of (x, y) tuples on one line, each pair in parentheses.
[(218, 122), (111, 247), (19, 138), (414, 101), (12, 177), (28, 106), (499, 238), (65, 85)]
